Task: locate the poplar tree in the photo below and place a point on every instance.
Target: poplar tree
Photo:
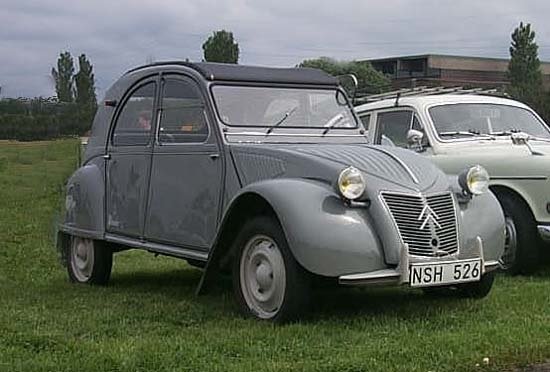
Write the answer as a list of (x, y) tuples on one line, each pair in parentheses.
[(84, 82), (63, 77), (524, 67)]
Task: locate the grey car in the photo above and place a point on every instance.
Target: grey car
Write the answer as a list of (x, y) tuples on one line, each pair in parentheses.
[(266, 174)]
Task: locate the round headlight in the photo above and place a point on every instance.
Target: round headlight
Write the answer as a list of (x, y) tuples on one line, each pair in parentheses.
[(351, 183), (475, 180)]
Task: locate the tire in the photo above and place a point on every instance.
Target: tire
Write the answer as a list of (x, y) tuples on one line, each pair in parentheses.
[(522, 250), (88, 261), (268, 283), (479, 289), (475, 290)]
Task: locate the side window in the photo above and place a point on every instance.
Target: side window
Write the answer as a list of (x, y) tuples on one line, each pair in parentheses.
[(133, 126), (394, 125), (416, 124), (365, 119), (183, 119)]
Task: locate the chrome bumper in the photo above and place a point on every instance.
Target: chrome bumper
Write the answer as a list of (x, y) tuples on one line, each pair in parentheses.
[(400, 275), (544, 232)]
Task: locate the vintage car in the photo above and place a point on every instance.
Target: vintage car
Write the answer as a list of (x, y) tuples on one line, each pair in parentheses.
[(506, 137), (266, 174)]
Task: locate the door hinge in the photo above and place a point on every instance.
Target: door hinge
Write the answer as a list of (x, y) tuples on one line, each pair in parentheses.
[(107, 156)]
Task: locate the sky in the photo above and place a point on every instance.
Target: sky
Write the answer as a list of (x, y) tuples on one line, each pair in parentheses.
[(117, 35)]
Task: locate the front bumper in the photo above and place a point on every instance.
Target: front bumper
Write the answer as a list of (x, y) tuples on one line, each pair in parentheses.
[(400, 275), (544, 232)]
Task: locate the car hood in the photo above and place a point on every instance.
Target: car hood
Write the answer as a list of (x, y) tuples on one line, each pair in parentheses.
[(392, 167), (500, 147), (501, 159)]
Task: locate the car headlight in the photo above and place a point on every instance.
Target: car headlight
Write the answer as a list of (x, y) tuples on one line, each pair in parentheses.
[(351, 183), (474, 180)]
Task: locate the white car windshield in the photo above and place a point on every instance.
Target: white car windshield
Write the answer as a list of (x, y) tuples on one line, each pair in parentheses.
[(283, 107), (484, 120)]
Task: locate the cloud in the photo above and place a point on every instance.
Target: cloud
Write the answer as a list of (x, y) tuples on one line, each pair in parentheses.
[(118, 35)]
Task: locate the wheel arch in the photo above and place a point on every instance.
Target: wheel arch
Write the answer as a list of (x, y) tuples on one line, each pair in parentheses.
[(500, 190), (248, 205)]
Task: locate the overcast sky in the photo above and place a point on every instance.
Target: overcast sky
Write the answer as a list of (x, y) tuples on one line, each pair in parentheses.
[(119, 34)]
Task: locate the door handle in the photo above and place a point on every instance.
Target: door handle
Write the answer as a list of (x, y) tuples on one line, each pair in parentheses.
[(107, 156), (214, 156)]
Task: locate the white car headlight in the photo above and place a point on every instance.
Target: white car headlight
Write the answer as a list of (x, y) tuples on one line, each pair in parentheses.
[(351, 183), (475, 180)]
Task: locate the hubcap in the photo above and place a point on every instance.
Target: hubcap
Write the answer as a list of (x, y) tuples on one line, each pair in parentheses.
[(262, 276), (510, 246), (82, 258)]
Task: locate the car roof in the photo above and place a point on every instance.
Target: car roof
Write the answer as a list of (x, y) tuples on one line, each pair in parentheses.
[(261, 74), (429, 100)]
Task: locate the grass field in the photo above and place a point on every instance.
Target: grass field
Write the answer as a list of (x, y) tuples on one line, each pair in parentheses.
[(148, 318)]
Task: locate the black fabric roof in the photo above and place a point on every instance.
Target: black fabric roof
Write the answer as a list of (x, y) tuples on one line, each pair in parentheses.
[(232, 72)]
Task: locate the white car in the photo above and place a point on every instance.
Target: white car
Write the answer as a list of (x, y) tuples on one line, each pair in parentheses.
[(505, 136)]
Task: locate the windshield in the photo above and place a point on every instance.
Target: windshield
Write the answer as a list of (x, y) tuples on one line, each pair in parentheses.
[(482, 119), (282, 107)]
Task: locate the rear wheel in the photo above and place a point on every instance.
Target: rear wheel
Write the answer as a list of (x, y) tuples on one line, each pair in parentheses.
[(268, 282), (522, 248), (89, 261)]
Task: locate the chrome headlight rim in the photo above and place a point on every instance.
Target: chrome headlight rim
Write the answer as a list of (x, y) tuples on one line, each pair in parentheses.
[(474, 180), (351, 183)]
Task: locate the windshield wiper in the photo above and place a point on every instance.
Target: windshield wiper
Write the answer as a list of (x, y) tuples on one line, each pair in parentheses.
[(469, 133), (281, 120), (332, 123)]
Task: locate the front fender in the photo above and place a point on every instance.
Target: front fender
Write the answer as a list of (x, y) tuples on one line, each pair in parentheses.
[(326, 236), (482, 216)]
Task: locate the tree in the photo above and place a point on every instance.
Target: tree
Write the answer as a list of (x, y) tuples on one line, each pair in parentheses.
[(221, 47), (370, 80), (63, 77), (85, 84), (524, 67)]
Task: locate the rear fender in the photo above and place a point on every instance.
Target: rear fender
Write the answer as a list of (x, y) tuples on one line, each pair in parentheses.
[(84, 202)]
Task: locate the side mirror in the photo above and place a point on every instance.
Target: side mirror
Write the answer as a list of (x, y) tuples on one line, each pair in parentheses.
[(415, 137)]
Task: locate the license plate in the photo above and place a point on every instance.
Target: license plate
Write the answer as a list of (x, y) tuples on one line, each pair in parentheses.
[(432, 274)]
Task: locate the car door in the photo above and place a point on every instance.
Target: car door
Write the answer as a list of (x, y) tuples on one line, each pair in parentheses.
[(128, 161), (186, 178)]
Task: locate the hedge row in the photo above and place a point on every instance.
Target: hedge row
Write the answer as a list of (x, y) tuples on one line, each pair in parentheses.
[(40, 120)]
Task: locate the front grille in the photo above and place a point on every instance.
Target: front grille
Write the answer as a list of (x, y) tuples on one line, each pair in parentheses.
[(426, 223)]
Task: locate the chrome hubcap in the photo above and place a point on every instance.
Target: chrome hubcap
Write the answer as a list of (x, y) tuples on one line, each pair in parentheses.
[(82, 258), (510, 247), (262, 276)]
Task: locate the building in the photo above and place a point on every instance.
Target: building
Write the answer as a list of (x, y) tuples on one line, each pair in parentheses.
[(445, 70)]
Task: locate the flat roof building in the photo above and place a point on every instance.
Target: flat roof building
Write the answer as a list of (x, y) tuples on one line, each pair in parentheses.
[(448, 70)]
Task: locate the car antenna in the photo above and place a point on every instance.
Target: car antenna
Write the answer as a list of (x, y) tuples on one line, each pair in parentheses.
[(397, 99)]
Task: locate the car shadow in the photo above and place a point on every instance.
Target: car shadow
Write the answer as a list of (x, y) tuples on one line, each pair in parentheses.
[(398, 302), (327, 302)]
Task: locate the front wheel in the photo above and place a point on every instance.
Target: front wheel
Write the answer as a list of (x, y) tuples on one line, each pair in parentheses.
[(89, 261), (476, 290), (521, 251), (267, 281)]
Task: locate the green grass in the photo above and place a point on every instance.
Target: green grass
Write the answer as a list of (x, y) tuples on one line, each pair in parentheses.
[(148, 318)]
